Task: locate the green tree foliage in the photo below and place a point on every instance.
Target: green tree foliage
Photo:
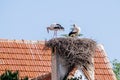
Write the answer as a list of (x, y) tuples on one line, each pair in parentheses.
[(116, 68), (9, 75), (74, 79)]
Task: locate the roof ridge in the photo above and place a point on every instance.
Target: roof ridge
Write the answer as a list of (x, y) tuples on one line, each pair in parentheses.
[(101, 48), (23, 41)]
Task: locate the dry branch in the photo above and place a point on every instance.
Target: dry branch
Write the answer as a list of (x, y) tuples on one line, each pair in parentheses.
[(76, 51)]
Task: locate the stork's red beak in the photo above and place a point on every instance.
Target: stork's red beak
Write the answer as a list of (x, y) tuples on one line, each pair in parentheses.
[(47, 29), (73, 25)]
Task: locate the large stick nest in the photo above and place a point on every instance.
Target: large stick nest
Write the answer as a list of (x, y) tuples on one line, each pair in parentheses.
[(76, 51)]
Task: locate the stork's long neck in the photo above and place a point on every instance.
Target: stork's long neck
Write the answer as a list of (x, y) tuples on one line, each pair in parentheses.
[(79, 30)]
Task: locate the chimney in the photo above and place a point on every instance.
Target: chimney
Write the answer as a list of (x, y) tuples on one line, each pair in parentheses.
[(59, 68)]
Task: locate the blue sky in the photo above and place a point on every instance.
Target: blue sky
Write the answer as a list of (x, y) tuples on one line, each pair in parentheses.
[(28, 19)]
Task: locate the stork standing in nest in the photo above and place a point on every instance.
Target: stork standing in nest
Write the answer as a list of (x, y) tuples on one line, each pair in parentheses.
[(75, 31), (55, 27)]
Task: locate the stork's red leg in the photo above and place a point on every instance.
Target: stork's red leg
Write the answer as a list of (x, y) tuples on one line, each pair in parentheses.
[(56, 33)]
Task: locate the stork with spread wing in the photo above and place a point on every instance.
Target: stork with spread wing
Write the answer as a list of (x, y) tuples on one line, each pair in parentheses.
[(55, 27)]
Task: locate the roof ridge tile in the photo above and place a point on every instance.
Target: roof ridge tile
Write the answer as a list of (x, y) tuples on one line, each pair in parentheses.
[(24, 41)]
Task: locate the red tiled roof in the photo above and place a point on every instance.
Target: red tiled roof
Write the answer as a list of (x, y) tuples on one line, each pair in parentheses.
[(103, 69), (25, 56), (31, 60)]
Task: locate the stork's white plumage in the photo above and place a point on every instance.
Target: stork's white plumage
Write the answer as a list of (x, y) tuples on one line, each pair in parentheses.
[(75, 31), (55, 27)]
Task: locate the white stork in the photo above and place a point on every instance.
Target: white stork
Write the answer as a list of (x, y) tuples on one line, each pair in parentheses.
[(55, 27), (75, 31)]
